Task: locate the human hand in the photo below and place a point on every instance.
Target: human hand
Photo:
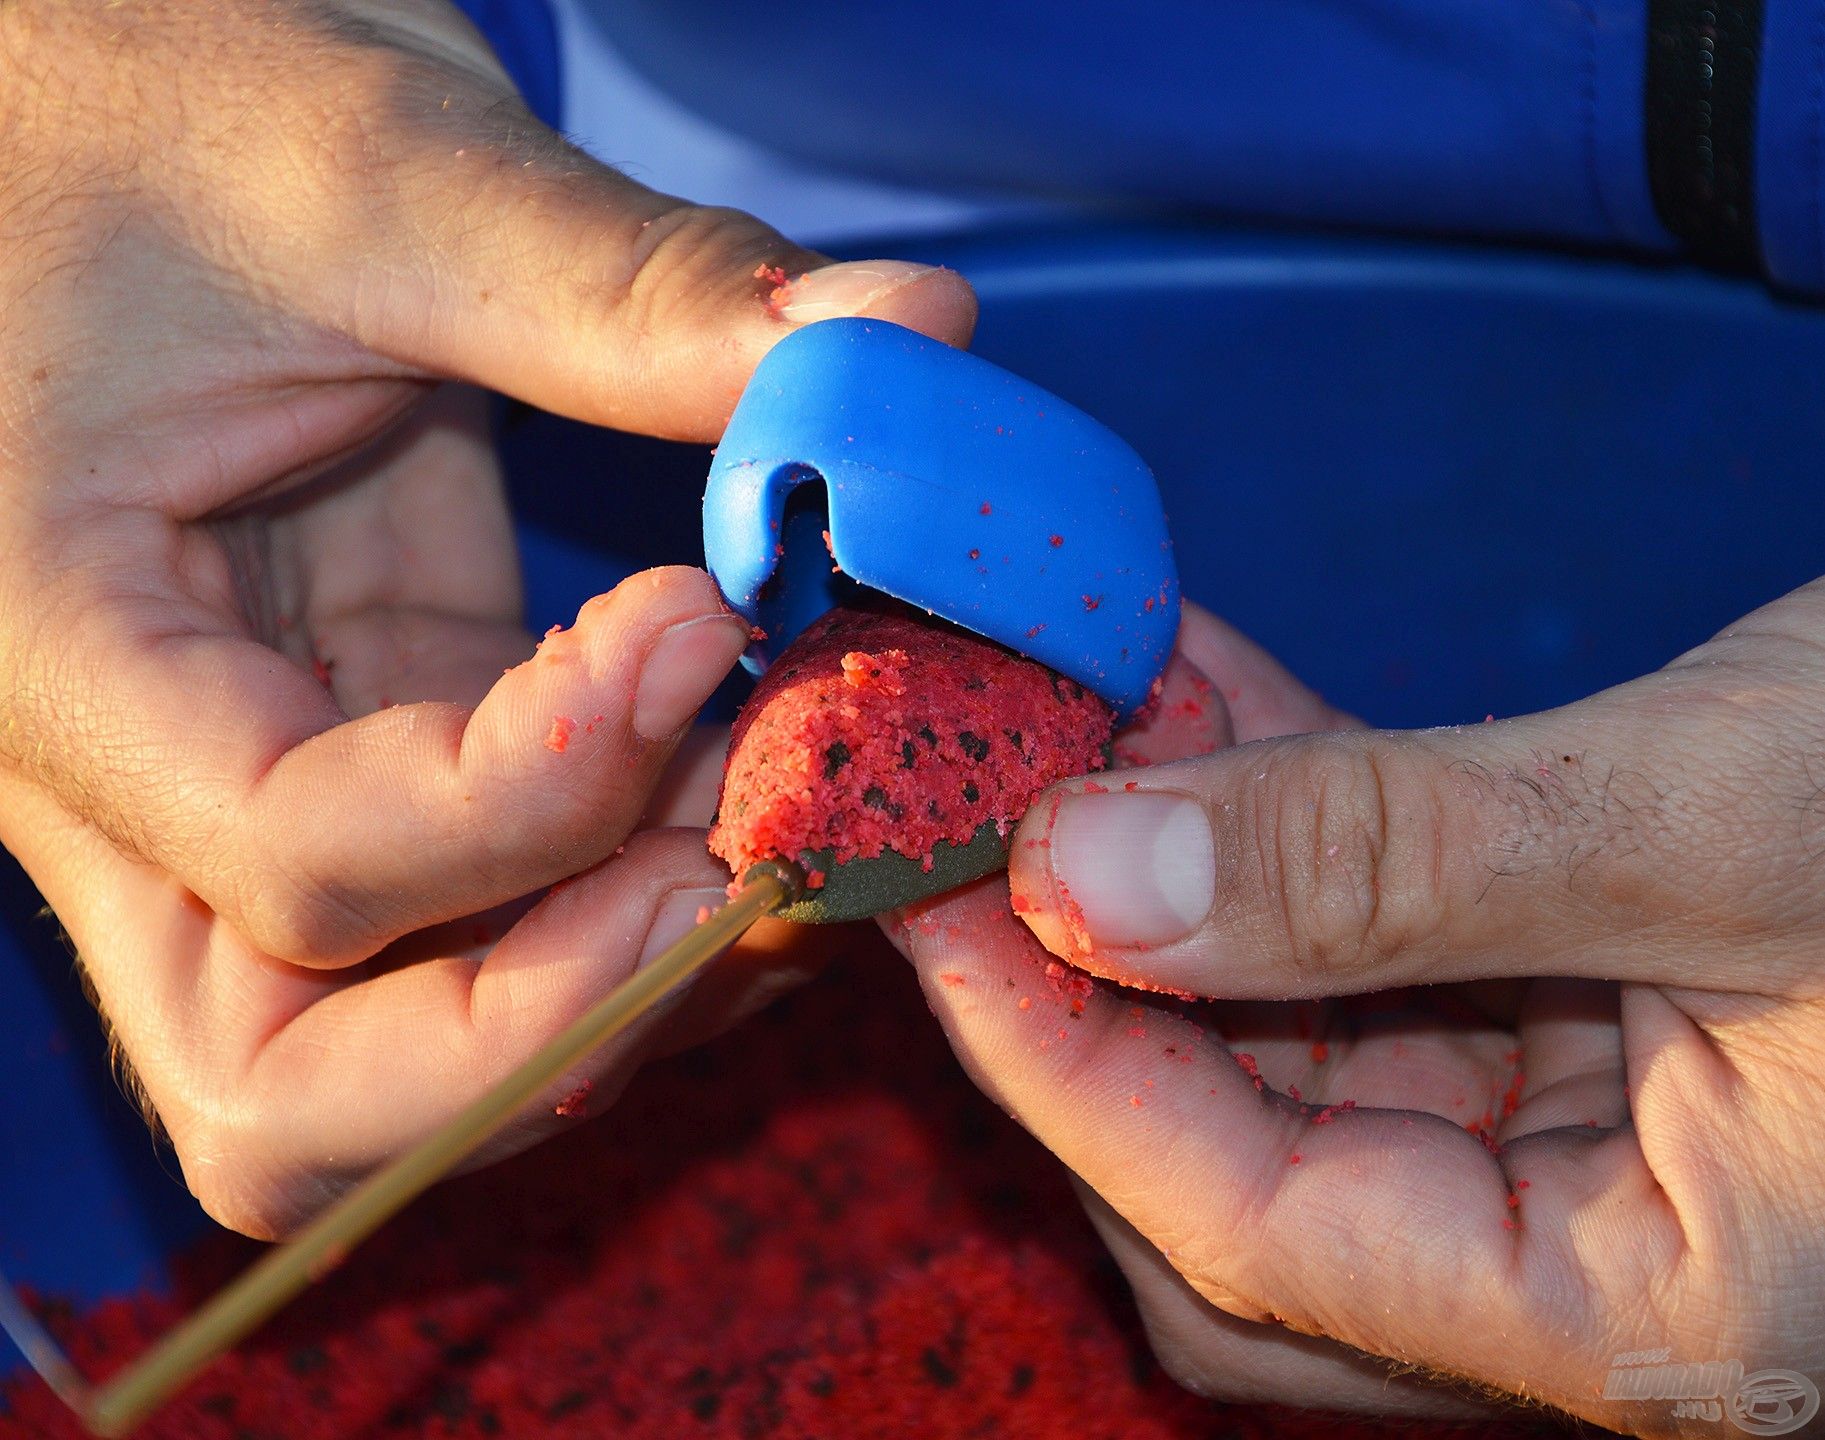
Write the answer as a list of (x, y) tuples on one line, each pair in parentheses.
[(1519, 1048), (242, 243)]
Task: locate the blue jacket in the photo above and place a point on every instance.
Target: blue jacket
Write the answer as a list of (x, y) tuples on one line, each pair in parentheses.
[(1653, 125)]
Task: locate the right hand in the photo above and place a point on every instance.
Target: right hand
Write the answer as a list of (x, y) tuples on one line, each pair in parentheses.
[(242, 243), (1511, 1063)]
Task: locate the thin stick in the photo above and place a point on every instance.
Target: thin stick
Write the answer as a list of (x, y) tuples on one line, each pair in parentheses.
[(116, 1407), (44, 1353)]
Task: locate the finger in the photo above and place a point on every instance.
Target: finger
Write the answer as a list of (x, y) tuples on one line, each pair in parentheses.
[(686, 795), (280, 1087), (1570, 1065), (773, 959), (1571, 843), (1264, 698), (450, 231), (1254, 1361), (1398, 1233), (437, 1031), (222, 1044), (1186, 717), (399, 571), (324, 838)]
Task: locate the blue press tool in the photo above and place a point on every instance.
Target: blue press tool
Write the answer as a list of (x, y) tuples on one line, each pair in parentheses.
[(934, 477)]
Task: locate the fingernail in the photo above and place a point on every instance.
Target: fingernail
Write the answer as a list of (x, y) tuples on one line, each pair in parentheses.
[(676, 917), (686, 663), (846, 289), (1141, 867)]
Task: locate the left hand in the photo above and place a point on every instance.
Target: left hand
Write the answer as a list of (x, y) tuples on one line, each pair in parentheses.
[(257, 748), (1564, 970)]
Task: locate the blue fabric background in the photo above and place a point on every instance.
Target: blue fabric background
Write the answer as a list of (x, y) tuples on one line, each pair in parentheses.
[(524, 34), (1501, 118)]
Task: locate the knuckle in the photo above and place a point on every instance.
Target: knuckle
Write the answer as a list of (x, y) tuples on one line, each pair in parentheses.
[(242, 1204), (1198, 1353), (303, 920), (226, 1170), (681, 262), (1348, 852), (1184, 1366)]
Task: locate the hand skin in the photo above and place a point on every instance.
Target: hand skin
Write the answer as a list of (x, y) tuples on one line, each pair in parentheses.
[(1566, 966), (259, 586)]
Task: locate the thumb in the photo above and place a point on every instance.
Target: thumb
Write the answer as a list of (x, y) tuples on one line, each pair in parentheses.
[(1340, 863), (468, 240)]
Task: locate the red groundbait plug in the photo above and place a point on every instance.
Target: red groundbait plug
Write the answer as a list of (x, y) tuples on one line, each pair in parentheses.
[(892, 756)]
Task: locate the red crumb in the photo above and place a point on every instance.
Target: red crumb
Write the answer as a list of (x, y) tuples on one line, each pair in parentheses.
[(814, 879), (882, 731), (1091, 602), (1250, 1069), (1057, 540), (975, 554), (558, 738), (1026, 1002), (1092, 788), (1069, 981), (1522, 1184), (952, 978), (321, 668), (575, 1104), (1294, 1158), (1320, 1052), (781, 293), (987, 509), (882, 672), (774, 275), (703, 913)]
